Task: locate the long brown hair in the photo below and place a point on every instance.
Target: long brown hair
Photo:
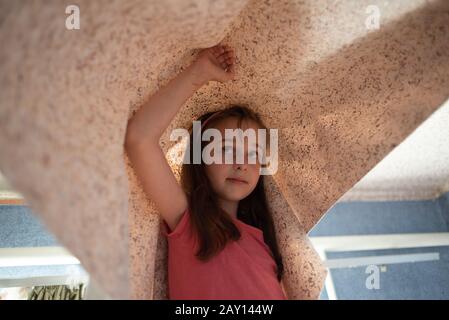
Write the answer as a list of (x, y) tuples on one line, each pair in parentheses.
[(212, 225)]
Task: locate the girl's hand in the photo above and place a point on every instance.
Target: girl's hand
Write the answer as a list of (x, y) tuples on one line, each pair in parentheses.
[(216, 63)]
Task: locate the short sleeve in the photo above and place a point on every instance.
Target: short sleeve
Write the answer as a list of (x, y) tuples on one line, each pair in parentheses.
[(180, 227)]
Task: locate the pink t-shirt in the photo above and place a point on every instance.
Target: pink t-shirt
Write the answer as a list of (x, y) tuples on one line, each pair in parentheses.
[(243, 270)]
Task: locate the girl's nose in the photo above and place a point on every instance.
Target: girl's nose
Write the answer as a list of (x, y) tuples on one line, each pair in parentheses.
[(240, 166)]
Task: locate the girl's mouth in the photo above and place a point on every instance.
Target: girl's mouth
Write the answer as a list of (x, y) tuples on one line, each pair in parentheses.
[(238, 181)]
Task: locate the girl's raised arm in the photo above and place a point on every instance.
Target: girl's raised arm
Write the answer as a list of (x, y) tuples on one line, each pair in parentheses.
[(148, 124)]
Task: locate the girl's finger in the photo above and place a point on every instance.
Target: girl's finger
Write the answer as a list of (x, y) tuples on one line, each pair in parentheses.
[(216, 52), (221, 58), (230, 56), (227, 50), (225, 55)]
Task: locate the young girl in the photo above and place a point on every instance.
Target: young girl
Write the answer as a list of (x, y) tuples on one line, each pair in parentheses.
[(221, 236)]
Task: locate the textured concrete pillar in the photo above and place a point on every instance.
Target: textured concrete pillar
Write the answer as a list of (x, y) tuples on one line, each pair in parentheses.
[(341, 95)]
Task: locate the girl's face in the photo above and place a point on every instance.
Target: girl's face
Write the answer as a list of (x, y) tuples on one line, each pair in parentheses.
[(223, 176)]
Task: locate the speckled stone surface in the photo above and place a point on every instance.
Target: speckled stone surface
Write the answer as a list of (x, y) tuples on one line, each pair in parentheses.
[(342, 97)]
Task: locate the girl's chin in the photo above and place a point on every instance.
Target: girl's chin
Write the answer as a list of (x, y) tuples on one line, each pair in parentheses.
[(235, 194)]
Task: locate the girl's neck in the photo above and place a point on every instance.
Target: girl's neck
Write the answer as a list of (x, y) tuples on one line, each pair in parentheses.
[(230, 207)]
